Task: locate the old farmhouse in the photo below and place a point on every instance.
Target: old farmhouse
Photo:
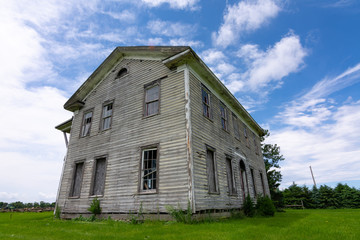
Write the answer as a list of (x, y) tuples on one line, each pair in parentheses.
[(153, 126)]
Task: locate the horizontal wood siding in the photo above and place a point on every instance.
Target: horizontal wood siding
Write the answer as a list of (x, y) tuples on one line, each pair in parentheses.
[(209, 133), (121, 144)]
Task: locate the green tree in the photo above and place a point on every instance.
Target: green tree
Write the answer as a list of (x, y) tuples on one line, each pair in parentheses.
[(272, 159)]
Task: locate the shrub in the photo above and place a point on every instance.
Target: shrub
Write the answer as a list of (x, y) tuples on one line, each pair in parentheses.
[(265, 207), (95, 207), (248, 207), (180, 215)]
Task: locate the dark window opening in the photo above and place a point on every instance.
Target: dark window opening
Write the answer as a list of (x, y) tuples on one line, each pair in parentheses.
[(206, 103), (236, 126), (230, 177), (224, 119), (243, 179), (211, 171), (262, 183), (253, 181), (122, 73)]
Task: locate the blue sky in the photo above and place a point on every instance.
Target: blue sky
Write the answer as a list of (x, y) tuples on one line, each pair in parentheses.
[(294, 65)]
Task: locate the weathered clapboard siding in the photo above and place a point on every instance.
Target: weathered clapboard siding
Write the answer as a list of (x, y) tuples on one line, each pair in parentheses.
[(123, 141), (208, 132)]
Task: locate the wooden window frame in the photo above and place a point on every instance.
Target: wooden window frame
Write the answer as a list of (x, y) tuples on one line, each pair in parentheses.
[(73, 181), (214, 170), (253, 182), (83, 123), (236, 126), (262, 183), (102, 115), (148, 86), (246, 135), (93, 179), (230, 176), (243, 179), (122, 72), (206, 105), (224, 117), (141, 169)]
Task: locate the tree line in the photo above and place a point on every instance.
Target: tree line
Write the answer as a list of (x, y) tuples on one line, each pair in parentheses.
[(21, 205), (342, 196)]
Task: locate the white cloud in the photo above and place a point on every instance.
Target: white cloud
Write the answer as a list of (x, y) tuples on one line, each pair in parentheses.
[(244, 17), (266, 69), (125, 16), (185, 42), (177, 4), (170, 29), (320, 133)]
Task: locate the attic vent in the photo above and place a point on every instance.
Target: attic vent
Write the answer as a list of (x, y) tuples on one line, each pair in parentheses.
[(122, 73)]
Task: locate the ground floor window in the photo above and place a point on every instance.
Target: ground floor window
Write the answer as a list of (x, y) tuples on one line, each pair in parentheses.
[(77, 179), (149, 173), (99, 177)]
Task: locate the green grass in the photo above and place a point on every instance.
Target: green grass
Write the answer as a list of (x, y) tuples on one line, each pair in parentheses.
[(292, 224)]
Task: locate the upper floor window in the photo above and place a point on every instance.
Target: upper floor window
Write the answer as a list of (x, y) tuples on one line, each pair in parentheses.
[(152, 98), (206, 102), (106, 116), (236, 126), (224, 119), (86, 124), (149, 169), (246, 136), (122, 73)]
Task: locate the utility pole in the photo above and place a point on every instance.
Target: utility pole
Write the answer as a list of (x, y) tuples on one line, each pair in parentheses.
[(312, 176)]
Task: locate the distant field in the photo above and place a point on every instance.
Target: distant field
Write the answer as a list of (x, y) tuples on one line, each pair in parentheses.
[(341, 224)]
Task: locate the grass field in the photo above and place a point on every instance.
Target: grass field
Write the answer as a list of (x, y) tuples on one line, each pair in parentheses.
[(341, 224)]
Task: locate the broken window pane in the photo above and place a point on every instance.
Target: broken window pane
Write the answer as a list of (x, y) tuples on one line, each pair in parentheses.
[(206, 103), (149, 169), (223, 114), (107, 114), (85, 130)]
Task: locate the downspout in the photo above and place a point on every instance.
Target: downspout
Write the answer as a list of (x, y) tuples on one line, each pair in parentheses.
[(188, 126)]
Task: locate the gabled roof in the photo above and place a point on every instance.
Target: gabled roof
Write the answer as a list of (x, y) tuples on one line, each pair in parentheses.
[(172, 57)]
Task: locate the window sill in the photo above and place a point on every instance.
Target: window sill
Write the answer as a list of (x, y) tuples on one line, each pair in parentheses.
[(74, 197), (214, 193), (96, 196), (144, 117), (207, 118), (147, 192)]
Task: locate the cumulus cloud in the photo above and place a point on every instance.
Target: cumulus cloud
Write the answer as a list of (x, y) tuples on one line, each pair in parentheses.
[(266, 69), (319, 132), (244, 17)]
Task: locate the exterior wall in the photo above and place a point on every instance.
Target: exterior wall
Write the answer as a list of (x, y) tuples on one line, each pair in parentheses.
[(122, 143), (209, 132)]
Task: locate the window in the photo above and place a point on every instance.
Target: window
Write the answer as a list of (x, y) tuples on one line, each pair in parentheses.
[(243, 179), (255, 144), (236, 126), (99, 177), (253, 181), (149, 164), (121, 73), (230, 177), (206, 102), (106, 116), (86, 124), (77, 179), (152, 93), (224, 118), (262, 183), (211, 171), (246, 136)]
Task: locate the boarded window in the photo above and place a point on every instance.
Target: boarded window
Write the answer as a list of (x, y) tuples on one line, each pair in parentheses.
[(152, 94), (99, 177), (77, 179), (107, 116), (211, 171), (149, 169), (86, 124), (230, 176), (236, 126), (253, 181), (262, 183), (206, 102), (224, 118), (243, 179)]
